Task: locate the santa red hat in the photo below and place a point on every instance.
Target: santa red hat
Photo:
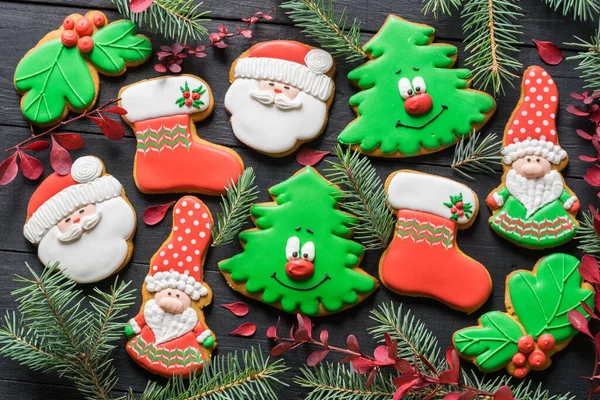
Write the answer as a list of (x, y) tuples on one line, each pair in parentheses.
[(178, 264), (59, 196), (290, 62), (532, 127)]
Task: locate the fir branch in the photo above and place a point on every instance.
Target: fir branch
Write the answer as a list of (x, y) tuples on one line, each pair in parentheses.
[(476, 155), (178, 20), (443, 6), (581, 9), (317, 19), (235, 208), (363, 196), (589, 60), (589, 241)]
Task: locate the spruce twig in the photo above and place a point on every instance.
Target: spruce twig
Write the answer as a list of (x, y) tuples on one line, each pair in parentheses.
[(589, 60), (476, 155), (589, 241), (443, 6), (581, 9)]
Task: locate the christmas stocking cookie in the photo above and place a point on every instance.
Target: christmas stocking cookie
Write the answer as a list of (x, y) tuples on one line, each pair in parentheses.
[(169, 336), (300, 257), (170, 157), (533, 207), (423, 258)]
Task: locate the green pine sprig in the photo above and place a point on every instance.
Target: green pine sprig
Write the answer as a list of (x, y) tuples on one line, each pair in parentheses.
[(589, 60), (363, 196), (318, 20), (589, 241), (581, 9), (235, 206), (178, 20), (477, 155), (441, 6)]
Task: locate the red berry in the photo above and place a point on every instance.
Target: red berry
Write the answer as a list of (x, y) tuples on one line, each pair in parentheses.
[(84, 27), (195, 96), (546, 342), (526, 344), (461, 213), (537, 358), (519, 360), (85, 44), (188, 102), (186, 94), (520, 373), (99, 20), (459, 204), (69, 38), (453, 210), (68, 23)]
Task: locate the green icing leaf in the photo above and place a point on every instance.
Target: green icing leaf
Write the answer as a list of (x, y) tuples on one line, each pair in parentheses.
[(117, 44), (493, 344), (543, 300), (50, 76)]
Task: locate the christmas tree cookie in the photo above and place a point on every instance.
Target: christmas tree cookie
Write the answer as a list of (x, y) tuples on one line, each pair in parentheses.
[(423, 259), (535, 325), (412, 102), (170, 157), (169, 336), (61, 72), (533, 207), (300, 257)]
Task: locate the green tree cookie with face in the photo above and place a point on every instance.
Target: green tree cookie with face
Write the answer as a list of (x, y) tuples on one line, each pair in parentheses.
[(412, 102), (300, 257)]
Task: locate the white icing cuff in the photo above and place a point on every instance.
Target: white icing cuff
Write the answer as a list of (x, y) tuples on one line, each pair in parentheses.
[(498, 199), (134, 325), (202, 337), (569, 203), (529, 147), (175, 280)]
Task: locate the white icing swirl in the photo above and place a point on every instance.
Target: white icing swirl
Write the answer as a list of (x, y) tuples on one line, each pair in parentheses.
[(318, 61), (86, 169)]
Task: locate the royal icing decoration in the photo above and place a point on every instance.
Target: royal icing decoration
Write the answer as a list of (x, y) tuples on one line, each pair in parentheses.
[(170, 336), (301, 258), (423, 259), (533, 207), (82, 221), (536, 325), (411, 101), (170, 156), (279, 96), (61, 72)]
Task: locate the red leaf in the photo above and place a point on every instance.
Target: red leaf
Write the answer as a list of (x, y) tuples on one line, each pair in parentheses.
[(160, 68), (453, 361), (246, 329), (40, 145), (452, 396), (280, 349), (175, 68), (577, 111), (316, 357), (324, 336), (589, 267), (467, 396), (503, 393), (352, 343), (272, 332), (589, 310), (427, 363), (588, 158), (448, 376), (382, 356), (138, 6), (349, 358), (306, 323), (238, 308), (301, 335), (597, 342), (403, 366), (597, 300), (247, 33), (154, 214), (371, 377), (310, 157), (8, 170), (579, 322), (109, 127), (70, 141), (221, 45), (592, 176), (267, 17), (31, 167), (549, 52), (60, 159), (115, 110), (577, 96), (583, 134), (404, 383), (363, 365)]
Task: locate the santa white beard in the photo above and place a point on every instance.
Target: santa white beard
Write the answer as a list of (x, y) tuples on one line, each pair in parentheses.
[(534, 193), (100, 251), (167, 326), (267, 127)]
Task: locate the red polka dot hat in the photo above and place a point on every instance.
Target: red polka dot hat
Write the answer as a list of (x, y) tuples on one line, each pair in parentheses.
[(531, 129)]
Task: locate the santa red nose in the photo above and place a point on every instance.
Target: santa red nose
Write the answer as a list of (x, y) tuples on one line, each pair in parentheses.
[(418, 104), (299, 269)]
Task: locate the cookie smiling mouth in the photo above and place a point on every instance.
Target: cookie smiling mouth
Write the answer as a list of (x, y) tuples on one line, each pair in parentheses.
[(325, 278), (400, 124)]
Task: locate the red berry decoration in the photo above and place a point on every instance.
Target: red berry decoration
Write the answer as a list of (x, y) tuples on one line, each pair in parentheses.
[(459, 204), (85, 44), (99, 20), (453, 210), (69, 38), (68, 23), (519, 360), (186, 94), (196, 96), (461, 213), (526, 344), (188, 102), (84, 27), (520, 373), (537, 358), (546, 342)]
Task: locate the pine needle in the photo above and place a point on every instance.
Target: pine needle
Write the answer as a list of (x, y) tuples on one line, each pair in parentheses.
[(589, 241), (443, 6), (581, 9), (589, 60), (317, 19), (477, 155)]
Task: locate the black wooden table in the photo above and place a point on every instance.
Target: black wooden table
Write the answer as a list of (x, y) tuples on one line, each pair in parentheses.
[(24, 23)]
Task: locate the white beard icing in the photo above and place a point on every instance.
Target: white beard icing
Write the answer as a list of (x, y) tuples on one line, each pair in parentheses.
[(281, 100), (269, 128), (534, 193), (98, 253), (167, 326), (76, 230)]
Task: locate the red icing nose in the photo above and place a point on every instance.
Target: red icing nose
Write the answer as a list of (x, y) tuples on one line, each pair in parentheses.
[(76, 220), (419, 104), (299, 269), (277, 90)]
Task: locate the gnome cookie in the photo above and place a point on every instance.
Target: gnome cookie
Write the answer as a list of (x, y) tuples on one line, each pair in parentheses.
[(423, 258), (170, 157), (169, 336), (82, 221), (280, 95), (533, 207)]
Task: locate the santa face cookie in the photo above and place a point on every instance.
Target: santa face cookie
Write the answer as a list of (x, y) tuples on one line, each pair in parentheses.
[(533, 207), (61, 72), (170, 157), (82, 221), (412, 102), (535, 325), (169, 336), (280, 95), (300, 257), (423, 259)]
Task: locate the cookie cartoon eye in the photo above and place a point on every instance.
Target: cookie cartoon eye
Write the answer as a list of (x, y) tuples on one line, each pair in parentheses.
[(405, 89), (292, 248), (418, 84), (308, 251)]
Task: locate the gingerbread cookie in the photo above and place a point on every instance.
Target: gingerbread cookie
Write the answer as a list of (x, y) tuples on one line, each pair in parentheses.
[(82, 221), (170, 157), (423, 259), (412, 102), (300, 257), (533, 207), (169, 336), (280, 95), (61, 72), (535, 325)]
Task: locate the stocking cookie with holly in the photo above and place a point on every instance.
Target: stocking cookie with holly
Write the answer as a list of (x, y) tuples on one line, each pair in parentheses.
[(170, 157), (411, 101), (301, 256), (280, 95), (61, 72), (83, 221), (423, 259), (533, 207), (535, 325), (169, 336)]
